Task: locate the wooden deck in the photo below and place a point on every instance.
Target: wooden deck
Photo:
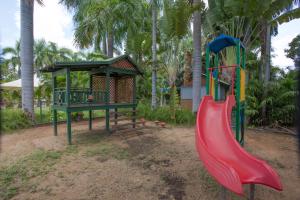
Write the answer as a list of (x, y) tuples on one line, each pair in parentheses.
[(83, 107)]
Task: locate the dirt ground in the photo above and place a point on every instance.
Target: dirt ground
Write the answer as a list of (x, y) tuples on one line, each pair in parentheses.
[(155, 163)]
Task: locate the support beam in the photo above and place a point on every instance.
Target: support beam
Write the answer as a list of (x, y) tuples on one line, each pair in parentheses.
[(217, 77), (90, 111), (134, 101), (53, 102), (252, 191), (68, 86), (107, 99), (90, 119), (69, 131), (107, 119), (116, 116), (207, 70), (223, 193), (237, 94), (55, 122)]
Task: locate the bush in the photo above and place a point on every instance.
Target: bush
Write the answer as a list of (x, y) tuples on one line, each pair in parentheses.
[(182, 116), (12, 119)]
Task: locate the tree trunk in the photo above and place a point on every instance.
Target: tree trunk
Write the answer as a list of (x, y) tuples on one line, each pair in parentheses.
[(262, 51), (197, 64), (297, 66), (27, 55), (266, 65), (97, 44), (110, 44), (19, 71), (268, 55), (154, 58), (104, 48)]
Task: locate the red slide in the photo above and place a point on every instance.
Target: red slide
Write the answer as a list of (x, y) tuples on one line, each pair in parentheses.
[(222, 155)]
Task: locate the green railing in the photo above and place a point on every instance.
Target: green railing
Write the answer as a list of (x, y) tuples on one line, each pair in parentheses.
[(78, 96)]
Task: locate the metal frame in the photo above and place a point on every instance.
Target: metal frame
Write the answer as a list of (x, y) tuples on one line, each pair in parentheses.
[(240, 105)]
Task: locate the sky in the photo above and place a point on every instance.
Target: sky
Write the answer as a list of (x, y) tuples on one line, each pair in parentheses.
[(54, 23)]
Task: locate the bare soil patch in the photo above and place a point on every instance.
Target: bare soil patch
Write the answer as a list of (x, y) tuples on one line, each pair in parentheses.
[(151, 164)]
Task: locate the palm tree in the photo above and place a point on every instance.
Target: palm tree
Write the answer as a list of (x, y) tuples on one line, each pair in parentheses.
[(197, 64), (14, 60), (105, 21), (154, 56), (278, 12), (26, 54)]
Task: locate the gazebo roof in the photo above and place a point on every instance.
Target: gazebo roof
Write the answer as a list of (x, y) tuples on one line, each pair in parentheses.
[(123, 61), (17, 84)]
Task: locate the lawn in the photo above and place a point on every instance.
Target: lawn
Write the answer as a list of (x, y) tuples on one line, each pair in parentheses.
[(156, 163)]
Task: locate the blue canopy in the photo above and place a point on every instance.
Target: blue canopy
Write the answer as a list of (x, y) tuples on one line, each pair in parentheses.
[(221, 42)]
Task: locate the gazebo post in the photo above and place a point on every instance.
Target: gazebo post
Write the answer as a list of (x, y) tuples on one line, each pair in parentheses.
[(53, 102), (69, 131), (68, 89), (90, 111), (134, 101), (107, 99)]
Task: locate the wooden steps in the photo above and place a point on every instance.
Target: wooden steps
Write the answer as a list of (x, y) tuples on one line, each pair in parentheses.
[(127, 124), (128, 115), (128, 129), (121, 119), (122, 113)]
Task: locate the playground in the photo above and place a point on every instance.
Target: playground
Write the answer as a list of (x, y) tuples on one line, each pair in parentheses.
[(131, 159), (157, 163), (167, 100)]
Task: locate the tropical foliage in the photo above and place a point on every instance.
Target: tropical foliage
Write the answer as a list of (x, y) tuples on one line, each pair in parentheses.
[(166, 38)]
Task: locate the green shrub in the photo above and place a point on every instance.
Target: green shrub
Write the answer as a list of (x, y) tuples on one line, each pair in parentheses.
[(12, 119), (182, 116)]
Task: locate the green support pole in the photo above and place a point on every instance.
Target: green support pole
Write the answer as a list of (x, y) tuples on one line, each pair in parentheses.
[(243, 58), (41, 111), (134, 101), (90, 120), (107, 100), (237, 95), (116, 116), (243, 105), (207, 69), (55, 121), (53, 103), (68, 86), (217, 78), (90, 111), (69, 131)]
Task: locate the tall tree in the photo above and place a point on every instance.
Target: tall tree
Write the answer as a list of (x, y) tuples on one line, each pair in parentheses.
[(278, 12), (26, 54), (197, 64), (106, 21), (13, 61), (294, 46), (154, 56)]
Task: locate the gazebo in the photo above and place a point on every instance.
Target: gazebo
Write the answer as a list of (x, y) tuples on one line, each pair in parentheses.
[(112, 85)]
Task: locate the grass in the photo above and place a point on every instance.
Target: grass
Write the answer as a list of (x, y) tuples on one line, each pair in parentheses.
[(17, 175), (107, 151)]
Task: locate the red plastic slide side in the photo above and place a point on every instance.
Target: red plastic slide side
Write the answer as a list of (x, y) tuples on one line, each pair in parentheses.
[(222, 155)]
